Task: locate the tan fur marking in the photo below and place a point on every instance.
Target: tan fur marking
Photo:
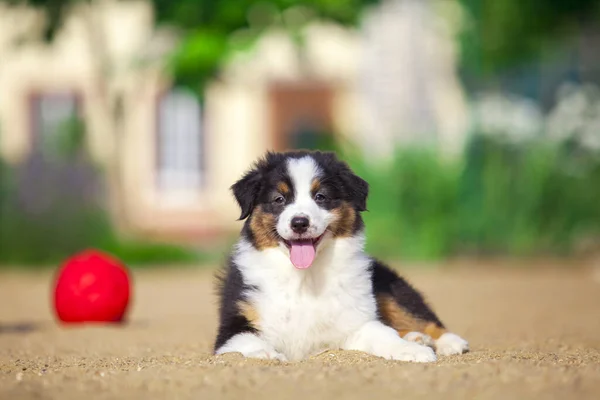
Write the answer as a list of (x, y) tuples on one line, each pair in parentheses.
[(315, 186), (283, 188), (434, 331), (399, 319), (394, 316), (249, 312), (345, 217), (262, 226)]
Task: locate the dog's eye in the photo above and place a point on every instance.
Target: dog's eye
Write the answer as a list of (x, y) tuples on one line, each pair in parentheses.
[(319, 197), (279, 200)]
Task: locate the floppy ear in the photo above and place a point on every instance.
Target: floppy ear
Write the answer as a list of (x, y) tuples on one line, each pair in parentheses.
[(358, 189), (246, 191)]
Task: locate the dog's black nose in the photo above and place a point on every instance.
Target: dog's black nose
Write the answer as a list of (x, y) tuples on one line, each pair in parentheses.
[(299, 224)]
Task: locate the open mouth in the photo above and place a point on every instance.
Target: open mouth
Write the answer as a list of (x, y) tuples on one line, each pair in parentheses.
[(303, 251)]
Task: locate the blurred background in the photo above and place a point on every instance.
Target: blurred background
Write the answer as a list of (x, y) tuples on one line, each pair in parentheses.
[(123, 123)]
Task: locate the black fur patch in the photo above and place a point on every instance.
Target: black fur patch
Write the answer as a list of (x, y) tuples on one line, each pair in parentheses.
[(386, 281), (231, 290), (340, 182)]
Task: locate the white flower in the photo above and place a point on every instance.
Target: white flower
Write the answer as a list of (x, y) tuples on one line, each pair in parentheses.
[(513, 117), (576, 115)]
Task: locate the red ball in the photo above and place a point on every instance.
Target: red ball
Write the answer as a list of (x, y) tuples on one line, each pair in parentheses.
[(92, 287)]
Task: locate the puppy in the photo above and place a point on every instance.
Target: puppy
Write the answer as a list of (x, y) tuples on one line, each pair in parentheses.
[(298, 281)]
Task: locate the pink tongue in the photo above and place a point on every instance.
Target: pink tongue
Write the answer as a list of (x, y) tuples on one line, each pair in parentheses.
[(302, 253)]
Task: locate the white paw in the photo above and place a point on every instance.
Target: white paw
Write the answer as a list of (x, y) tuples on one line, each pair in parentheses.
[(251, 346), (381, 340), (410, 351), (449, 344), (420, 338)]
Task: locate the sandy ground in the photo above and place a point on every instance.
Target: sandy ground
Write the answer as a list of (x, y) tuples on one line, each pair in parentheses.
[(533, 334)]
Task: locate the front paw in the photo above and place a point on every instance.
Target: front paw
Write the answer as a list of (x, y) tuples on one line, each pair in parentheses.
[(414, 352), (450, 343), (251, 346)]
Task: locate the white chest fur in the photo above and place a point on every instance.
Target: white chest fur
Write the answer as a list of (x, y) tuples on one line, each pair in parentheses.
[(303, 312)]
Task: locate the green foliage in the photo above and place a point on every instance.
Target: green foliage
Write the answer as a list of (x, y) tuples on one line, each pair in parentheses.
[(411, 205), (198, 58), (502, 33), (499, 199), (60, 231), (214, 30), (229, 15)]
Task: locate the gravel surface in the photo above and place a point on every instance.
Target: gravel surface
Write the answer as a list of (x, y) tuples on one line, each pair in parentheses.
[(533, 334)]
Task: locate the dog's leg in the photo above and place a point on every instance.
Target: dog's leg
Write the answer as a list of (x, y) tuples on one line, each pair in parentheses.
[(250, 346), (382, 341), (239, 327), (403, 308)]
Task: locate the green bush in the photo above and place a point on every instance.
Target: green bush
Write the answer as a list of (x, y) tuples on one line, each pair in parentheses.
[(411, 204), (500, 198), (67, 225)]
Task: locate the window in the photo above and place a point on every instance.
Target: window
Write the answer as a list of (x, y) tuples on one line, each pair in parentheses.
[(179, 142), (51, 116)]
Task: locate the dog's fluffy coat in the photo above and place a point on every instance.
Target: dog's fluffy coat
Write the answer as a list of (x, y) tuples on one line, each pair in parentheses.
[(289, 292)]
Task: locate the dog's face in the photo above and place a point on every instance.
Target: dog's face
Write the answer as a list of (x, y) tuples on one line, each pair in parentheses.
[(296, 200)]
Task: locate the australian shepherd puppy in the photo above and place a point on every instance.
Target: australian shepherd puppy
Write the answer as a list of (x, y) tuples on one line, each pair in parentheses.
[(299, 282)]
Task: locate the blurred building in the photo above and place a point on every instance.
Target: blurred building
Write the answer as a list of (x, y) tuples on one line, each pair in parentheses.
[(392, 83), (170, 171)]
